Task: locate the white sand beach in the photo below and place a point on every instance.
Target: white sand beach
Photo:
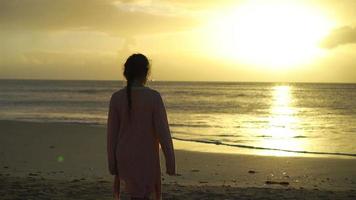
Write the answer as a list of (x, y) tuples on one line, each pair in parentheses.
[(53, 161)]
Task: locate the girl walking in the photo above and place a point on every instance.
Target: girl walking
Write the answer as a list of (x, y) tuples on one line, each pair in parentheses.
[(137, 124)]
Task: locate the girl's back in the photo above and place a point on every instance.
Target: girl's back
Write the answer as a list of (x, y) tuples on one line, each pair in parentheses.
[(140, 128)]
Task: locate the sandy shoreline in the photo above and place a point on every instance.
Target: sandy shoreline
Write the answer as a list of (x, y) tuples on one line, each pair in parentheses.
[(36, 188), (55, 161)]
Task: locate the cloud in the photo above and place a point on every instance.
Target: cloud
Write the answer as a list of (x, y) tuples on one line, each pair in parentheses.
[(340, 36), (59, 64), (162, 8), (59, 59), (195, 6), (113, 17)]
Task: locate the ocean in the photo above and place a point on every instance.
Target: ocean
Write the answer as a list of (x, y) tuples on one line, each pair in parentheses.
[(301, 118)]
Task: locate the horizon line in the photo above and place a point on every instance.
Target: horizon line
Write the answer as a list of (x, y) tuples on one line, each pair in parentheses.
[(206, 81)]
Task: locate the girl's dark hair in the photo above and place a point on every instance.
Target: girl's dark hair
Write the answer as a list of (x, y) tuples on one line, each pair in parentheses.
[(136, 67)]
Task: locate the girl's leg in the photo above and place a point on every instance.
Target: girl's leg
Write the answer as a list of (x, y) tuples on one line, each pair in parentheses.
[(146, 197), (116, 187)]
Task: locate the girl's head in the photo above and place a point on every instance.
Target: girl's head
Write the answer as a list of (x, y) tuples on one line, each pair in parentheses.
[(136, 69)]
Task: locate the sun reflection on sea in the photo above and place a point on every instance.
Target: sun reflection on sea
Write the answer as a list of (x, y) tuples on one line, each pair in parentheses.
[(281, 132)]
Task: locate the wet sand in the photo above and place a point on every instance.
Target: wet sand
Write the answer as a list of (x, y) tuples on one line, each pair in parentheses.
[(68, 161)]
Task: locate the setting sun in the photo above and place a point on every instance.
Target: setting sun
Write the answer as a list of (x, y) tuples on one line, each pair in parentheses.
[(270, 35)]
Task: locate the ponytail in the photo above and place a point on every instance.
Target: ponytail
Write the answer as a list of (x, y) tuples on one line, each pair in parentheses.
[(128, 94), (136, 66)]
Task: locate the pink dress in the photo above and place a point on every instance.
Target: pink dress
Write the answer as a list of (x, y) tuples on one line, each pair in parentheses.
[(133, 141)]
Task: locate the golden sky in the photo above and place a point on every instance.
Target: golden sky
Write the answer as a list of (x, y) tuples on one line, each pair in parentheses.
[(201, 40)]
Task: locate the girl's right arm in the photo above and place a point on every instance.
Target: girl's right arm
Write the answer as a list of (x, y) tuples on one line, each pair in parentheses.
[(112, 135), (164, 135)]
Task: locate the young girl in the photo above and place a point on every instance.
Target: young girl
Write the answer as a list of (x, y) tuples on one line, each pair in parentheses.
[(137, 124)]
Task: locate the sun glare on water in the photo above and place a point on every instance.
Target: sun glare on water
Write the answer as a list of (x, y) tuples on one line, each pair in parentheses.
[(281, 131), (270, 35)]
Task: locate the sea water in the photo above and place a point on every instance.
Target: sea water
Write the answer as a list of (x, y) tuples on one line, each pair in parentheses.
[(315, 118)]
